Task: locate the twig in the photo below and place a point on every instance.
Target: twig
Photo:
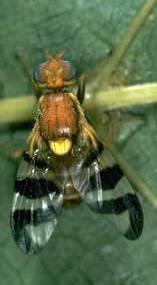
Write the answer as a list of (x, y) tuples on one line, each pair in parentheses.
[(16, 110), (20, 109), (124, 43), (120, 97), (134, 179)]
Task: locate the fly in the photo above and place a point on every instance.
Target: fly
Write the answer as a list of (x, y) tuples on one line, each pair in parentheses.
[(65, 163)]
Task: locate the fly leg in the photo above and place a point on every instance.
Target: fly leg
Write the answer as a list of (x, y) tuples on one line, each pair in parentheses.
[(81, 89)]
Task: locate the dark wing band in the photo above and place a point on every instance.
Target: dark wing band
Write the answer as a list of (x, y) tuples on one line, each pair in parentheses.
[(36, 205), (109, 192)]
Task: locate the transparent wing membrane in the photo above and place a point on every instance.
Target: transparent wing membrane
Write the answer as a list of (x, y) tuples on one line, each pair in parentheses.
[(39, 197), (109, 192), (36, 205)]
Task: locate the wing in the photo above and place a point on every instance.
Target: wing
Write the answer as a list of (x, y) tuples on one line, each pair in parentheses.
[(36, 204), (109, 192)]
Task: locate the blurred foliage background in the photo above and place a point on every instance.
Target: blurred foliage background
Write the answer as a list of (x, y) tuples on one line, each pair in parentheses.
[(85, 248)]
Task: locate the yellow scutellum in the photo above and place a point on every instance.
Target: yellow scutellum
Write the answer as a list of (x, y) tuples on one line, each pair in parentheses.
[(61, 146)]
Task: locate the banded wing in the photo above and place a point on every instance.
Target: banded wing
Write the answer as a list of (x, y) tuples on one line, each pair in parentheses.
[(36, 204), (109, 192)]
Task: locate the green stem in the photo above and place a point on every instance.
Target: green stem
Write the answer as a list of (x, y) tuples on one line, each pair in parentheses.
[(20, 109), (120, 97), (17, 110), (124, 43)]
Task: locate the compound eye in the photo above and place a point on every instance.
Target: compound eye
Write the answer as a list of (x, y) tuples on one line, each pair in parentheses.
[(37, 73), (70, 70)]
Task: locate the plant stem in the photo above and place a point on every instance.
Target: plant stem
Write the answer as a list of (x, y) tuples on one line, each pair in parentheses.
[(20, 109), (120, 97), (16, 110), (124, 44)]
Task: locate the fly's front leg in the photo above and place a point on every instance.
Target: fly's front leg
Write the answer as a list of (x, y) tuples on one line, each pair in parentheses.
[(81, 89)]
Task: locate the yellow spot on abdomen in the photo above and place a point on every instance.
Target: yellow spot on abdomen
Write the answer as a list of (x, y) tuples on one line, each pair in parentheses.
[(60, 146)]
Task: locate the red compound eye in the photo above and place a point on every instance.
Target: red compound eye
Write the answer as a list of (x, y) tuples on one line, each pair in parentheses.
[(36, 73), (69, 70)]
